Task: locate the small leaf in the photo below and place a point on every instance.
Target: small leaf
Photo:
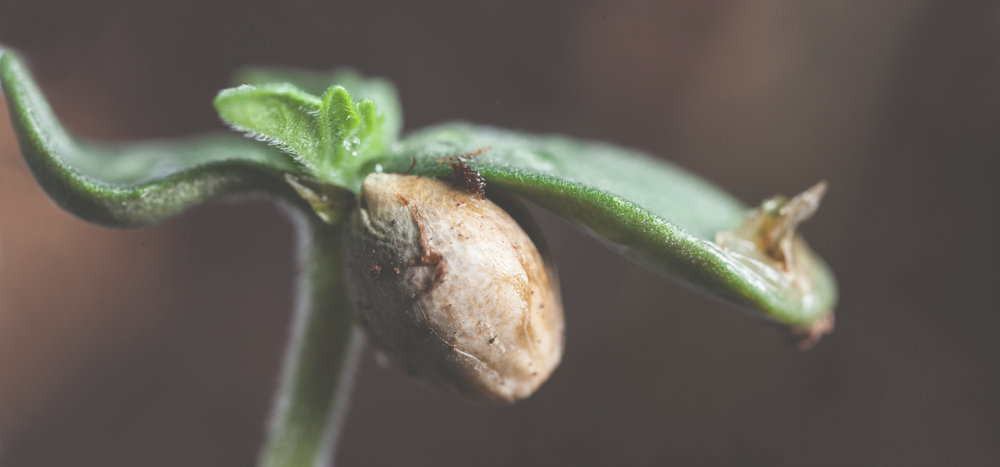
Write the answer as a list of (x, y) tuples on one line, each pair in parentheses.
[(340, 121), (380, 92), (130, 185), (333, 136), (648, 209), (278, 114)]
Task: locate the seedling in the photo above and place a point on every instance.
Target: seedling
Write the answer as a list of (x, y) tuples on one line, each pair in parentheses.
[(318, 138)]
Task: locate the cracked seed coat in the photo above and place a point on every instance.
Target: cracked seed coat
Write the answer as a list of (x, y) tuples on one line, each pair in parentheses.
[(474, 308)]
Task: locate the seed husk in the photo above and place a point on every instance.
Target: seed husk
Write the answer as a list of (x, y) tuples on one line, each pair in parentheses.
[(462, 299)]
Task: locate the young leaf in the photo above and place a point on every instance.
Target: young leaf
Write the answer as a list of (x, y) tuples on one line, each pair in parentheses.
[(130, 185), (650, 210), (380, 92), (332, 136), (278, 114)]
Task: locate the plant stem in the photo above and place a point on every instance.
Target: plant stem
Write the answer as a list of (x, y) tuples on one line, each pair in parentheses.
[(320, 358)]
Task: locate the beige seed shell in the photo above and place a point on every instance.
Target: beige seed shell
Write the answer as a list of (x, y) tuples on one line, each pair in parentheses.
[(452, 290)]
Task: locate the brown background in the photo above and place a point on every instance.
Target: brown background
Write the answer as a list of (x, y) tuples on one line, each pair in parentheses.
[(159, 347)]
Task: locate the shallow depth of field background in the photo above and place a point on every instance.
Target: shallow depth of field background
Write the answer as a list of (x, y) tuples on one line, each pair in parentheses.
[(160, 347)]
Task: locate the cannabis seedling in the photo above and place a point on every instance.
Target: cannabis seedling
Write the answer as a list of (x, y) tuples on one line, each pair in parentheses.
[(327, 145)]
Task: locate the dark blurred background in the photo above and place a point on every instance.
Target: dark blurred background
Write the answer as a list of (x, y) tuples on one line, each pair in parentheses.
[(160, 347)]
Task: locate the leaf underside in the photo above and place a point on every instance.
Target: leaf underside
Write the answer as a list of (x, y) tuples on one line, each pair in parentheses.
[(648, 209), (133, 184)]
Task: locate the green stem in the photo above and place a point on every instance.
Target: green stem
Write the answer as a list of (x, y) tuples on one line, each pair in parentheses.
[(322, 352)]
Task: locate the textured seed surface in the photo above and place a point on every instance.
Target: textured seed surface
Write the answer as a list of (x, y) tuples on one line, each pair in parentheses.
[(470, 305)]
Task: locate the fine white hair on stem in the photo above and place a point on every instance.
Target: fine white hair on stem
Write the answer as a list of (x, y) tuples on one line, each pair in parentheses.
[(341, 399), (323, 348), (300, 308)]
